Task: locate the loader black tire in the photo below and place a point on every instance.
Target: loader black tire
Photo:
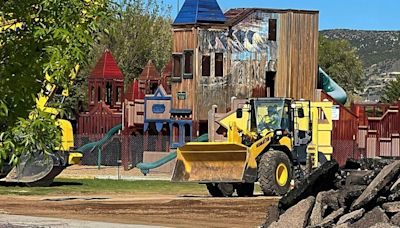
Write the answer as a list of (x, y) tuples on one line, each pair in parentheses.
[(214, 190), (221, 189), (227, 189), (267, 173), (245, 189)]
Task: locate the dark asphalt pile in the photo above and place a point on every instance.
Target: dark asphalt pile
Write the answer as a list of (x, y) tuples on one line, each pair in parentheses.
[(363, 193)]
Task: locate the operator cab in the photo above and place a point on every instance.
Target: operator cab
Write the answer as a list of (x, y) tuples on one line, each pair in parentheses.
[(270, 114)]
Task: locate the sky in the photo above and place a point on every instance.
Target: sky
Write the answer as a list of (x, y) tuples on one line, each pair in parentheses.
[(334, 14)]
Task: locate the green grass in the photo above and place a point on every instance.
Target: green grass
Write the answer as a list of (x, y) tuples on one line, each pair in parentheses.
[(87, 186)]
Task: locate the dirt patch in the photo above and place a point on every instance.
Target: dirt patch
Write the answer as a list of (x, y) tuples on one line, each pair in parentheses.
[(156, 210)]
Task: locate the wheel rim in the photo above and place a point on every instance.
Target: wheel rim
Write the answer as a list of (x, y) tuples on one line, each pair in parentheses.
[(281, 174)]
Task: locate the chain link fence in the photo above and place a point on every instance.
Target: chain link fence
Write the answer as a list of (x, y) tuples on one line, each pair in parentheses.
[(345, 149), (111, 153)]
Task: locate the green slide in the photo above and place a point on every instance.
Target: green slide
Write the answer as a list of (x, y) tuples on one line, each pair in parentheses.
[(146, 167), (93, 145), (331, 87)]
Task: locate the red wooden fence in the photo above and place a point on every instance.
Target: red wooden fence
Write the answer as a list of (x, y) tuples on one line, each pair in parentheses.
[(379, 129), (386, 125), (370, 109), (99, 120)]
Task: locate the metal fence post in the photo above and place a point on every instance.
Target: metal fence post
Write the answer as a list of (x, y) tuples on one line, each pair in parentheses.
[(98, 158), (118, 174)]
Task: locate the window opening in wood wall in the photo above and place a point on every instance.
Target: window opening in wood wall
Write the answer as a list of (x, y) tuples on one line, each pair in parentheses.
[(270, 83), (219, 64), (99, 93), (188, 68), (119, 94), (272, 29), (177, 67), (92, 94), (108, 93), (205, 65)]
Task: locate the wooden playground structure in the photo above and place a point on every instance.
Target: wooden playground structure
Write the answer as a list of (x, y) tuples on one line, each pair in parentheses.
[(240, 53)]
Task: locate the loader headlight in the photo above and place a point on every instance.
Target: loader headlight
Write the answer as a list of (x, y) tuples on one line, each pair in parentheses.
[(279, 132)]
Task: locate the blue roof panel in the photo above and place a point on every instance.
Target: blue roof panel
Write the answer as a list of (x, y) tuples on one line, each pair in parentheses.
[(200, 11)]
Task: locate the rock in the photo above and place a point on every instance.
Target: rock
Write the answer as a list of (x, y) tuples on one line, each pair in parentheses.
[(381, 199), (391, 207), (396, 186), (330, 219), (272, 215), (349, 193), (319, 180), (359, 177), (296, 216), (323, 202), (395, 219), (374, 164), (383, 225), (394, 196), (343, 225), (351, 217), (316, 214), (376, 215), (352, 164), (379, 182)]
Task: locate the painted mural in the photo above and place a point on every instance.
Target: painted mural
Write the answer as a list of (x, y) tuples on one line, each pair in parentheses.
[(247, 55)]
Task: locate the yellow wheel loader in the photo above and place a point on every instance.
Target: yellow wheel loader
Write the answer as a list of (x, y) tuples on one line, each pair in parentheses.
[(269, 140), (41, 170)]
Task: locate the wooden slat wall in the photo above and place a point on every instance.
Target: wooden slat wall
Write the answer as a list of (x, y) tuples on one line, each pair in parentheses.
[(372, 141), (297, 55), (99, 123), (396, 145), (385, 147), (99, 120), (362, 136), (185, 39)]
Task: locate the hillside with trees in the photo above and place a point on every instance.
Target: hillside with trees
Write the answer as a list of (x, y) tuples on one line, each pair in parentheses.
[(380, 53), (381, 48)]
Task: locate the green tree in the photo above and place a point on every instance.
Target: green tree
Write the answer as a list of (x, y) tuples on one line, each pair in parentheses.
[(141, 31), (56, 36), (341, 61), (391, 93)]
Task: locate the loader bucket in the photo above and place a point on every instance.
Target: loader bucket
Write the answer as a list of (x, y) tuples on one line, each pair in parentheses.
[(38, 171), (210, 162)]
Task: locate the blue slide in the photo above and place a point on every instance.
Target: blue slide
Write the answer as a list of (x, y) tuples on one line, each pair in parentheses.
[(331, 87), (145, 167), (93, 145)]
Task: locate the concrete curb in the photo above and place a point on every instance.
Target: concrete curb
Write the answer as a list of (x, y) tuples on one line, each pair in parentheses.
[(7, 220)]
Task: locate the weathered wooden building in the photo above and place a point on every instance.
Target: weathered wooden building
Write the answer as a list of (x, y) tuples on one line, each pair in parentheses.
[(242, 53)]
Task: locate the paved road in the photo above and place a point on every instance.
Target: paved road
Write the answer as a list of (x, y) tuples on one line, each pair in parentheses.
[(19, 221)]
